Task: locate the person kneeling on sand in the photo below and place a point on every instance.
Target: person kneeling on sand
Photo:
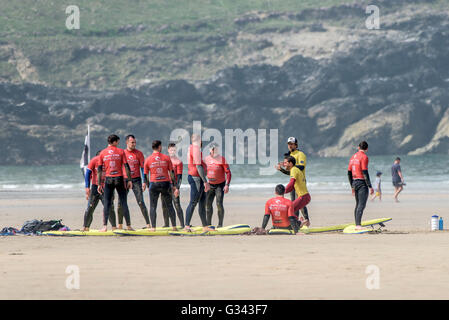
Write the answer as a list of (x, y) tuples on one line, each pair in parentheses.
[(281, 211)]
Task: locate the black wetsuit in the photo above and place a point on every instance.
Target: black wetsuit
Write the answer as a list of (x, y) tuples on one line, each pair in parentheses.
[(111, 184), (163, 189), (176, 203), (94, 198), (197, 196), (138, 193), (216, 190), (361, 189)]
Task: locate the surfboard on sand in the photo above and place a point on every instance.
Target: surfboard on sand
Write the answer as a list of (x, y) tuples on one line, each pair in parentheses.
[(78, 233), (93, 232), (147, 232), (339, 227), (235, 229), (353, 230)]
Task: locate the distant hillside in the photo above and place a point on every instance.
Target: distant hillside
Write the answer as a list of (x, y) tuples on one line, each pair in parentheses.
[(130, 43), (317, 74)]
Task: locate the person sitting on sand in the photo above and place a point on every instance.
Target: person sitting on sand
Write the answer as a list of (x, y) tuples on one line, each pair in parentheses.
[(281, 211)]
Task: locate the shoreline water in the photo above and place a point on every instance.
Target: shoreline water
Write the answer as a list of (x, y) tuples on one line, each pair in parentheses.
[(423, 174)]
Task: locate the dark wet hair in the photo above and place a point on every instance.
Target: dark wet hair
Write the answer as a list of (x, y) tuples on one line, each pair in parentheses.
[(280, 189), (113, 138), (156, 144), (171, 145), (291, 159), (398, 159), (129, 136), (363, 145)]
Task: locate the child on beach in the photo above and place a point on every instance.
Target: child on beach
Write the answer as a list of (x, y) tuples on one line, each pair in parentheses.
[(377, 189)]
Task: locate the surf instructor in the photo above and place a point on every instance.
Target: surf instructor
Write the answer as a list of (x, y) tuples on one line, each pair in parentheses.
[(360, 182), (301, 162), (297, 184)]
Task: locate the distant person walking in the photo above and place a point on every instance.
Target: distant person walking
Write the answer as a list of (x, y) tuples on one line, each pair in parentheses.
[(398, 178), (377, 187)]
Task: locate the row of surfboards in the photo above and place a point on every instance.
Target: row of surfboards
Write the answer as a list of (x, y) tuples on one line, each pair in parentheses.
[(236, 229)]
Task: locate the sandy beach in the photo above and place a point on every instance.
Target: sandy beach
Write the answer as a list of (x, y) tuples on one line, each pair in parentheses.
[(412, 261)]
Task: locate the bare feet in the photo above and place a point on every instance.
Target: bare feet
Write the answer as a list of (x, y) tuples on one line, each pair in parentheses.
[(104, 229), (129, 228)]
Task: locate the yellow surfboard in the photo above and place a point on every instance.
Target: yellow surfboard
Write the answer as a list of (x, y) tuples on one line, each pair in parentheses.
[(352, 230), (94, 232), (78, 233), (228, 230), (339, 227)]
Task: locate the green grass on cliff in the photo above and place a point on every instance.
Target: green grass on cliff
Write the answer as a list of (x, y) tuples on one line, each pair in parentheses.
[(108, 51)]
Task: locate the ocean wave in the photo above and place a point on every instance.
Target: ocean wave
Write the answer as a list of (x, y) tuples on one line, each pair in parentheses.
[(416, 187)]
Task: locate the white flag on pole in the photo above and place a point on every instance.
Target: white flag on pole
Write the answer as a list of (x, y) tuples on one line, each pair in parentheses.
[(85, 157)]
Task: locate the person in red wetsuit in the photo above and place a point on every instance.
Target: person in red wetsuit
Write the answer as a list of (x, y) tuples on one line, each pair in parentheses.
[(93, 196), (360, 181), (219, 176), (199, 184), (112, 160), (177, 169), (160, 169), (135, 160), (281, 211)]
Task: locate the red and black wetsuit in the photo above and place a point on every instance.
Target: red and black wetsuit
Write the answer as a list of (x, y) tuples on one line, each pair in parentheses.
[(359, 179), (112, 159), (159, 166)]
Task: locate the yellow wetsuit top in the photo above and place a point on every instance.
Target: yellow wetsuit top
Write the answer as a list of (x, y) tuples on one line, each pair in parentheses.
[(300, 181), (301, 158)]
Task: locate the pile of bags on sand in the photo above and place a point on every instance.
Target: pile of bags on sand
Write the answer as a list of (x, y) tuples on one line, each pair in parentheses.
[(35, 227)]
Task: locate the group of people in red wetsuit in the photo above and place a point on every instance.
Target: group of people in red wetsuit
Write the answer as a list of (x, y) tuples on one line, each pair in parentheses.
[(121, 170)]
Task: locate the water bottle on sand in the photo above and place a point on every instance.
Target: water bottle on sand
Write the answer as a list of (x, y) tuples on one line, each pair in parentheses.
[(434, 223), (440, 224)]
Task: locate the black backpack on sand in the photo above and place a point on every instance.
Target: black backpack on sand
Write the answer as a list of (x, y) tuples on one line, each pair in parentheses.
[(34, 226)]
